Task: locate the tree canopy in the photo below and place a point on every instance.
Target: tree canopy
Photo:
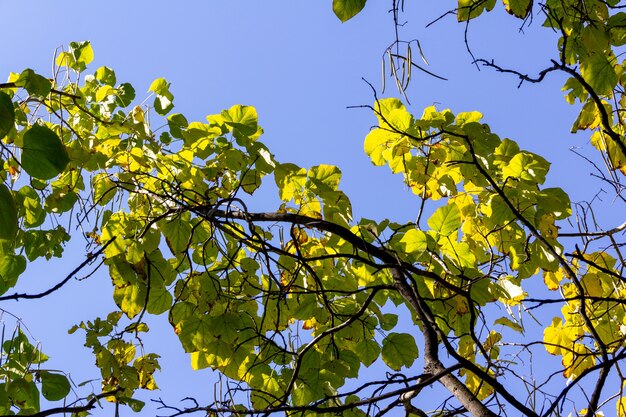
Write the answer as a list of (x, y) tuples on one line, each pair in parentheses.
[(502, 297)]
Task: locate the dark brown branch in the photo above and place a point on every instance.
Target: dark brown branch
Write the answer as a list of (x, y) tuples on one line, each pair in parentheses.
[(522, 77), (75, 409), (604, 116), (90, 258), (59, 92), (317, 408)]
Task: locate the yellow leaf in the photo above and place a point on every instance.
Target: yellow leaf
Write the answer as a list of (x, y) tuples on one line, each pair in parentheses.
[(514, 291), (309, 324), (477, 385), (593, 285), (552, 279), (547, 227), (461, 306), (138, 114), (466, 348), (558, 339), (621, 407), (577, 361)]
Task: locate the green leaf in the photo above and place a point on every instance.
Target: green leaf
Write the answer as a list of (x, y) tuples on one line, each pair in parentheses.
[(469, 9), (44, 156), (347, 9), (325, 177), (33, 214), (82, 53), (556, 201), (518, 8), (243, 119), (597, 69), (159, 301), (177, 123), (415, 242), (177, 231), (135, 405), (106, 76), (528, 167), (24, 394), (8, 214), (367, 351), (104, 189), (35, 84), (617, 29), (399, 349), (54, 387), (125, 95), (11, 267), (445, 220), (130, 298), (388, 321), (7, 114), (163, 102), (505, 321)]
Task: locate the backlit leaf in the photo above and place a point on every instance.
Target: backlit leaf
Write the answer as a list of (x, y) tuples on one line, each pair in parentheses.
[(34, 83), (415, 241), (399, 349), (597, 69), (445, 219), (164, 101), (528, 167)]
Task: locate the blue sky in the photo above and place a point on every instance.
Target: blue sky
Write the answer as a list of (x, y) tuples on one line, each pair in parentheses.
[(301, 68)]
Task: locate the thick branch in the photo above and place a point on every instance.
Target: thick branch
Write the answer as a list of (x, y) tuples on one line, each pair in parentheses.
[(431, 356)]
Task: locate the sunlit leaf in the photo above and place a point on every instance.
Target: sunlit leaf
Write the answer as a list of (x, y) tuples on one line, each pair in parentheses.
[(528, 167), (505, 321), (415, 241), (445, 219), (558, 339), (597, 69), (34, 83), (164, 100)]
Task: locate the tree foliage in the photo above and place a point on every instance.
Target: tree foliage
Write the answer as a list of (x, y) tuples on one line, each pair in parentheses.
[(292, 304)]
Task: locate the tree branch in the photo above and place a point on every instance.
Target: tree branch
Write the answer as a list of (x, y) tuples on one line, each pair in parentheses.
[(90, 257)]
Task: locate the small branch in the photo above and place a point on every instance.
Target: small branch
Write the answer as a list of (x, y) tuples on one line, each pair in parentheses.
[(59, 92), (604, 116), (610, 232), (76, 409), (522, 77), (90, 257)]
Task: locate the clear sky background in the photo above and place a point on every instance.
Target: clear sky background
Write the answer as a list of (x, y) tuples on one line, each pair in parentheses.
[(301, 68)]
